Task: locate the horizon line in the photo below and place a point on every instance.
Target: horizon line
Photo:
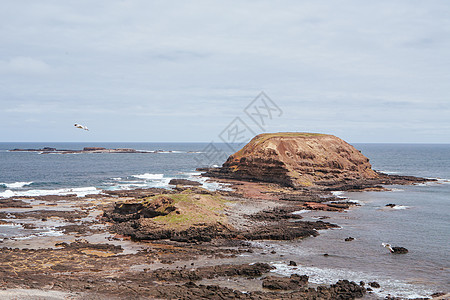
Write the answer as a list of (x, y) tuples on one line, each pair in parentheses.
[(203, 142)]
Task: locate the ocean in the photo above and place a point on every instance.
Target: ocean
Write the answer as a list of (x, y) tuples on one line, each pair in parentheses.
[(419, 221)]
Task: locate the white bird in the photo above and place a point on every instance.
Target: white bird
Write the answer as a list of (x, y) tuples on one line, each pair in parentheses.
[(387, 246), (81, 126)]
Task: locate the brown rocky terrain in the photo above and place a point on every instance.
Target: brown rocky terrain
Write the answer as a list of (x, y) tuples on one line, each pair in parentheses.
[(187, 216), (185, 244), (188, 242), (304, 161)]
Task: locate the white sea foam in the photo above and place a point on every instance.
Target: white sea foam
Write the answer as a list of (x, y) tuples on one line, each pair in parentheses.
[(156, 180), (7, 194), (400, 207), (396, 190), (433, 183), (439, 181), (131, 186), (212, 185), (149, 176), (50, 232), (330, 276), (15, 185), (171, 151), (389, 172), (395, 207), (206, 184), (338, 194), (80, 192), (20, 238), (193, 174), (299, 212), (13, 225)]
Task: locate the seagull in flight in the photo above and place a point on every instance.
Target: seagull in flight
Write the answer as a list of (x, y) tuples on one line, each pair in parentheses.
[(81, 126)]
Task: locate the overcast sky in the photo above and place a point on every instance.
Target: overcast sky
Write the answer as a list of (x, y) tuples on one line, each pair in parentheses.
[(366, 71)]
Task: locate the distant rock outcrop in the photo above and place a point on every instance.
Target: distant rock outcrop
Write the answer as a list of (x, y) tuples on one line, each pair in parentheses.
[(297, 160), (50, 150)]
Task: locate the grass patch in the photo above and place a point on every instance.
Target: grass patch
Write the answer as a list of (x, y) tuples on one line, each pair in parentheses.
[(191, 209)]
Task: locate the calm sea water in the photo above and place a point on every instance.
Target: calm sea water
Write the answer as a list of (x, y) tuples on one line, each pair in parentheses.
[(420, 222)]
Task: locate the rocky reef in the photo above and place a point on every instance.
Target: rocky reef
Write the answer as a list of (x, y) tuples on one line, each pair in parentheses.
[(304, 160), (188, 216), (187, 242)]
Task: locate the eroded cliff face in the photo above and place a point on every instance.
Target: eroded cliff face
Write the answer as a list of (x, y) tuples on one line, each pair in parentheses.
[(298, 160)]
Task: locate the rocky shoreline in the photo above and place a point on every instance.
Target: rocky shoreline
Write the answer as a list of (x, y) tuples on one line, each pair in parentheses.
[(109, 250), (189, 242)]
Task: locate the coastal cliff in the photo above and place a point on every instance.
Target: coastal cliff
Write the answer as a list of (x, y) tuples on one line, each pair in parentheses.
[(297, 160)]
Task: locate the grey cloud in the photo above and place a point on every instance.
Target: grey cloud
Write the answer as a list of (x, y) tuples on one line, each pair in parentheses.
[(147, 63)]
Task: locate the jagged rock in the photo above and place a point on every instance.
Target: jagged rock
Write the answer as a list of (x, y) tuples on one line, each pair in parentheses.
[(283, 283), (125, 211), (184, 182), (285, 230)]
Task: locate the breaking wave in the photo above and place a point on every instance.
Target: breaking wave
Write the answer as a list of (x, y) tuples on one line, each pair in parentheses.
[(79, 192), (330, 276), (15, 185), (149, 176)]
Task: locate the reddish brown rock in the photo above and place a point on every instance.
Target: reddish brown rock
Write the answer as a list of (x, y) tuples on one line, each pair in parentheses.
[(297, 160)]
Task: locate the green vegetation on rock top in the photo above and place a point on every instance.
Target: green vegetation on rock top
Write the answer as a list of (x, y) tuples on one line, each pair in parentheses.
[(265, 136), (190, 209), (260, 138)]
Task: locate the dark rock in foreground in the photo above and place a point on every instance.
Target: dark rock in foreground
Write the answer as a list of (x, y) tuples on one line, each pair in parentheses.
[(284, 283)]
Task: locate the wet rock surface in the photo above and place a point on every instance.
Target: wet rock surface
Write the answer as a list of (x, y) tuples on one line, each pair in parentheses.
[(184, 182), (294, 282), (11, 202)]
